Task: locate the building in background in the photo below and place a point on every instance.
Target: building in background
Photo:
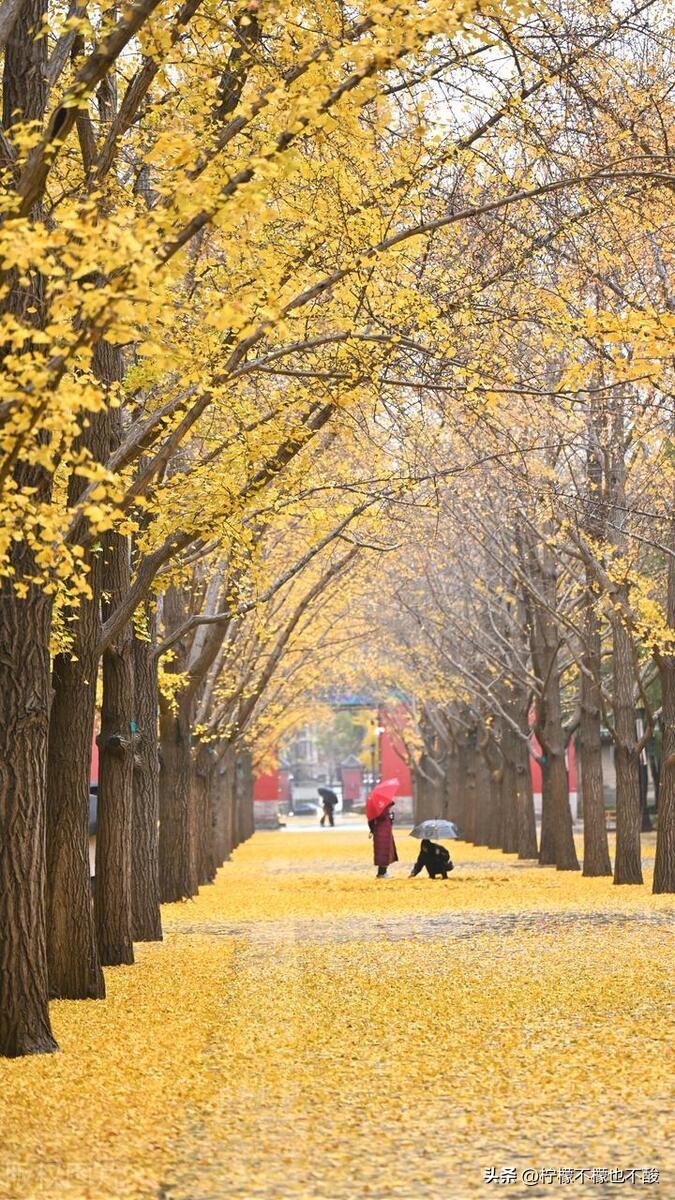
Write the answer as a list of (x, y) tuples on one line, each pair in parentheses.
[(348, 753)]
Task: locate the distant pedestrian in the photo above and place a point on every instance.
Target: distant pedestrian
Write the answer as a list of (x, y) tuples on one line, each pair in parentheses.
[(435, 858), (329, 801)]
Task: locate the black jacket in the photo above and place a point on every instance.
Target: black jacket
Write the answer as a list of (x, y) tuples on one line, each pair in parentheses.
[(435, 858)]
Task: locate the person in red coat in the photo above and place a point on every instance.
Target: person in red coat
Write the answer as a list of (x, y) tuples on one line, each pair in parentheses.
[(384, 846)]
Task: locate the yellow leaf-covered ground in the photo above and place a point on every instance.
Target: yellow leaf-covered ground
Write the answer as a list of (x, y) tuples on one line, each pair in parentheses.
[(306, 1031)]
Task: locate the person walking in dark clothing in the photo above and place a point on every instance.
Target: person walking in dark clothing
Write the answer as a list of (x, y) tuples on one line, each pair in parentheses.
[(329, 801), (435, 858)]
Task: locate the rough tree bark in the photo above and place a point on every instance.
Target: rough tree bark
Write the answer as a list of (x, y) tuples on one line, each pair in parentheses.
[(596, 848), (525, 817), (470, 787), (227, 793), (483, 800), (219, 808), (116, 773), (146, 917), (451, 783), (627, 864), (508, 834), (176, 859), (494, 762), (204, 767), (517, 706), (25, 691), (664, 865), (244, 795), (24, 722)]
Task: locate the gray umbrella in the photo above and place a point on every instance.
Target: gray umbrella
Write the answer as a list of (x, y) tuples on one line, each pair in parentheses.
[(435, 828)]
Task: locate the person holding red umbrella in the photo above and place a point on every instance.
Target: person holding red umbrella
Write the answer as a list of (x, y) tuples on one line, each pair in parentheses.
[(380, 815)]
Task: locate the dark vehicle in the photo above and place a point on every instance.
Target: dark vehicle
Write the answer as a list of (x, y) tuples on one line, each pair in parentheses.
[(303, 808)]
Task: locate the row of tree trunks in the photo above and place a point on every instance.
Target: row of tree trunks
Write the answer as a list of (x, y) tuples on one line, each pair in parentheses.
[(485, 786)]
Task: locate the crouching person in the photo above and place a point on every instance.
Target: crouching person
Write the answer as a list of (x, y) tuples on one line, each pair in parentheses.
[(435, 858)]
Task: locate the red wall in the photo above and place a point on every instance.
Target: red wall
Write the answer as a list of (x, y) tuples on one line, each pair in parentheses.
[(266, 786), (351, 783), (392, 762)]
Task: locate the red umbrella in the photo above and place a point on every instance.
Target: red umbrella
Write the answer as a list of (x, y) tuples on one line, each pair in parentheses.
[(380, 798)]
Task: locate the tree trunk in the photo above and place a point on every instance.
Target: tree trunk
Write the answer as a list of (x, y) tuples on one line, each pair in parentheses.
[(483, 800), (462, 765), (518, 708), (146, 917), (525, 818), (74, 965), (223, 784), (509, 824), (451, 786), (204, 768), (494, 762), (175, 825), (546, 836), (423, 789), (645, 819), (557, 835), (245, 824), (494, 832), (116, 775), (627, 863), (554, 771), (25, 692), (219, 810), (596, 848), (664, 865), (24, 720), (470, 788)]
